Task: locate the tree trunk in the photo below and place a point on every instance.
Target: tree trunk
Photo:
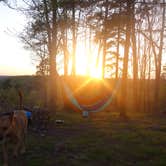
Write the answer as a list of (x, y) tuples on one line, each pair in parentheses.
[(52, 59), (65, 49), (135, 62), (74, 41), (125, 63), (117, 54), (104, 39), (159, 59)]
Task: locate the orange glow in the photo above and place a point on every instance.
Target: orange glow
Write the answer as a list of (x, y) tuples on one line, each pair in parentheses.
[(86, 61)]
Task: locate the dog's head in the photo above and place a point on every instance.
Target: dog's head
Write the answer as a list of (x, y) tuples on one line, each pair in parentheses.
[(5, 122)]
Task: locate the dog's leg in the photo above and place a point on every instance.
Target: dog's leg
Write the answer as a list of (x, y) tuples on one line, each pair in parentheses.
[(17, 147), (23, 140), (22, 150), (24, 133), (5, 153)]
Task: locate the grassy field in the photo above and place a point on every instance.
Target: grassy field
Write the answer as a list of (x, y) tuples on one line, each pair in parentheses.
[(101, 139)]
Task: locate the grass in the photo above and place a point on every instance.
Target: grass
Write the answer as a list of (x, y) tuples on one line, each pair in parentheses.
[(99, 140)]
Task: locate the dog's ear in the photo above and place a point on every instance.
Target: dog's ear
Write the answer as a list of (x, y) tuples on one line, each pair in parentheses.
[(20, 94)]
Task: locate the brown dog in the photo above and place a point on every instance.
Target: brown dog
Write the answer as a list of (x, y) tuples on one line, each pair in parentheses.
[(13, 128)]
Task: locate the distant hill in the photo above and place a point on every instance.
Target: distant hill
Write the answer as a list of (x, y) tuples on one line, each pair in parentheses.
[(2, 77)]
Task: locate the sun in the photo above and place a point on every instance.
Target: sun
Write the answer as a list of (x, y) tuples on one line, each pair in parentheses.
[(86, 63), (96, 73)]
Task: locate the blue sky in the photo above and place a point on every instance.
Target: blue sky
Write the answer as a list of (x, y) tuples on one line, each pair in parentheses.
[(14, 59)]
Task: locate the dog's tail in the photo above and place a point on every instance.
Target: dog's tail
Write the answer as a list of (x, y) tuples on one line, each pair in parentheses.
[(20, 98)]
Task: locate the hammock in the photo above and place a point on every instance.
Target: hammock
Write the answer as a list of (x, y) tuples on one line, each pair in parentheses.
[(96, 107)]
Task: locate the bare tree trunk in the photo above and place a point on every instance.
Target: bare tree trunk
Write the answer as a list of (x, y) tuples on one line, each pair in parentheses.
[(149, 83), (135, 62), (125, 63), (117, 54), (104, 39), (66, 55), (65, 49), (159, 59), (89, 52), (74, 40), (52, 57), (144, 62)]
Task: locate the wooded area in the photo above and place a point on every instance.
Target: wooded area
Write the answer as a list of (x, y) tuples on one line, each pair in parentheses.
[(128, 36)]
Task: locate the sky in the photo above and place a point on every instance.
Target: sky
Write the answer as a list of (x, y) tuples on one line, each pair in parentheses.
[(14, 59)]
